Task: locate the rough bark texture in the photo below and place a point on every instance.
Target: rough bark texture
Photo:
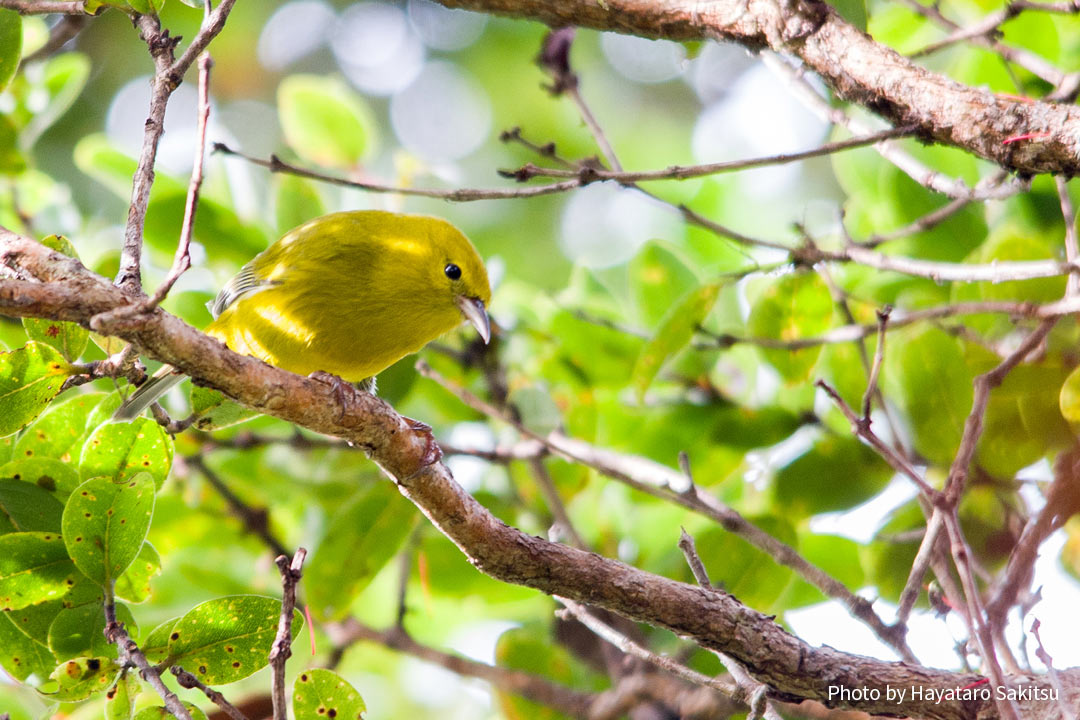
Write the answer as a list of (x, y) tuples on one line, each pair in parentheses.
[(37, 282), (856, 67)]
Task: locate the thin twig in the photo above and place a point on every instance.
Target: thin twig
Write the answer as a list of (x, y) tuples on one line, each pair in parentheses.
[(628, 646), (277, 165), (689, 550), (682, 172), (168, 74), (130, 654), (563, 525), (255, 520), (182, 259), (534, 687), (975, 617), (1068, 214), (973, 426), (921, 564), (875, 368), (186, 680), (47, 7), (1067, 713), (60, 35), (291, 572)]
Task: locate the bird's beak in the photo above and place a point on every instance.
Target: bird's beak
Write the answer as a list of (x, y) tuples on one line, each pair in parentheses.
[(473, 310)]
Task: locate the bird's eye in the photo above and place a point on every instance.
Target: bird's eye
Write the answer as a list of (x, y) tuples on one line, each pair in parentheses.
[(452, 271)]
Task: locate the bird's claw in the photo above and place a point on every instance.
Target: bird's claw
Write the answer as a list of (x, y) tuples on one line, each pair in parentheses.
[(340, 387), (432, 452)]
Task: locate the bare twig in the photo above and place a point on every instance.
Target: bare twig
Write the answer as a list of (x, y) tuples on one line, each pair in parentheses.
[(689, 550), (628, 646), (186, 680), (1072, 247), (1067, 713), (554, 502), (182, 259), (60, 34), (130, 654), (46, 7), (168, 75), (975, 616), (281, 651), (875, 368), (682, 172), (277, 165), (534, 687), (255, 520), (973, 426)]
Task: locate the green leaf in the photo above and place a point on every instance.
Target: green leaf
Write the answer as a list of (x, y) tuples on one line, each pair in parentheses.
[(61, 430), (297, 201), (25, 507), (146, 7), (324, 121), (320, 694), (854, 11), (926, 374), (120, 700), (808, 485), (80, 631), (837, 556), (160, 713), (29, 378), (155, 645), (82, 677), (12, 160), (215, 411), (659, 279), (531, 649), (676, 330), (34, 567), (121, 450), (227, 639), (134, 584), (10, 45), (35, 620), (22, 656), (105, 523), (361, 539), (740, 568), (46, 473), (67, 337), (65, 77), (796, 306)]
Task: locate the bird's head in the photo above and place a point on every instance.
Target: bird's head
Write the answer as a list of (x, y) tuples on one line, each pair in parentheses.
[(458, 274)]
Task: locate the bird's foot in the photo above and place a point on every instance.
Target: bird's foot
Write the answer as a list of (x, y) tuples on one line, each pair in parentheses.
[(432, 452), (341, 390)]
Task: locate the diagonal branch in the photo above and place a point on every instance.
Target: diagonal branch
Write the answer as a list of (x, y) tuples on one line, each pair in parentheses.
[(65, 290)]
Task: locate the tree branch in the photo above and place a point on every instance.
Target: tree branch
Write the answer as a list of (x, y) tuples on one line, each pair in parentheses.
[(851, 63), (63, 289)]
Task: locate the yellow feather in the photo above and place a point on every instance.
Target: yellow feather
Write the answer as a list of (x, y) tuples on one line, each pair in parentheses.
[(350, 293)]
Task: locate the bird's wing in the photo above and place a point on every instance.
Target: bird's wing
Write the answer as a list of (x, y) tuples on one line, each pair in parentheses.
[(243, 283)]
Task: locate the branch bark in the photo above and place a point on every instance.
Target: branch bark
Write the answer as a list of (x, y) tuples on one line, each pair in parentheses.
[(54, 286), (849, 61)]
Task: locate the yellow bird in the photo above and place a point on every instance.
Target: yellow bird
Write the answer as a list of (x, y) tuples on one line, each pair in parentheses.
[(349, 293)]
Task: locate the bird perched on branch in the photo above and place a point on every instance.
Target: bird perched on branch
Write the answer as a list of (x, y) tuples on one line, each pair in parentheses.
[(349, 293)]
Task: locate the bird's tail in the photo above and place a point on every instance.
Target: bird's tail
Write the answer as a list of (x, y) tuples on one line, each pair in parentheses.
[(148, 393)]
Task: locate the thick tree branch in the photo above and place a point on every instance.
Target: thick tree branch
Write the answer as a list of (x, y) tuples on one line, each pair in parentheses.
[(63, 289), (851, 63)]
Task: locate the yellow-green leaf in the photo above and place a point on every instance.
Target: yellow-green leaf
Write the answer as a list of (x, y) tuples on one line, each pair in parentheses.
[(29, 378)]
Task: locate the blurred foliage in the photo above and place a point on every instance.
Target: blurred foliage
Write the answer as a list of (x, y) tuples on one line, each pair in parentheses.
[(617, 325)]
